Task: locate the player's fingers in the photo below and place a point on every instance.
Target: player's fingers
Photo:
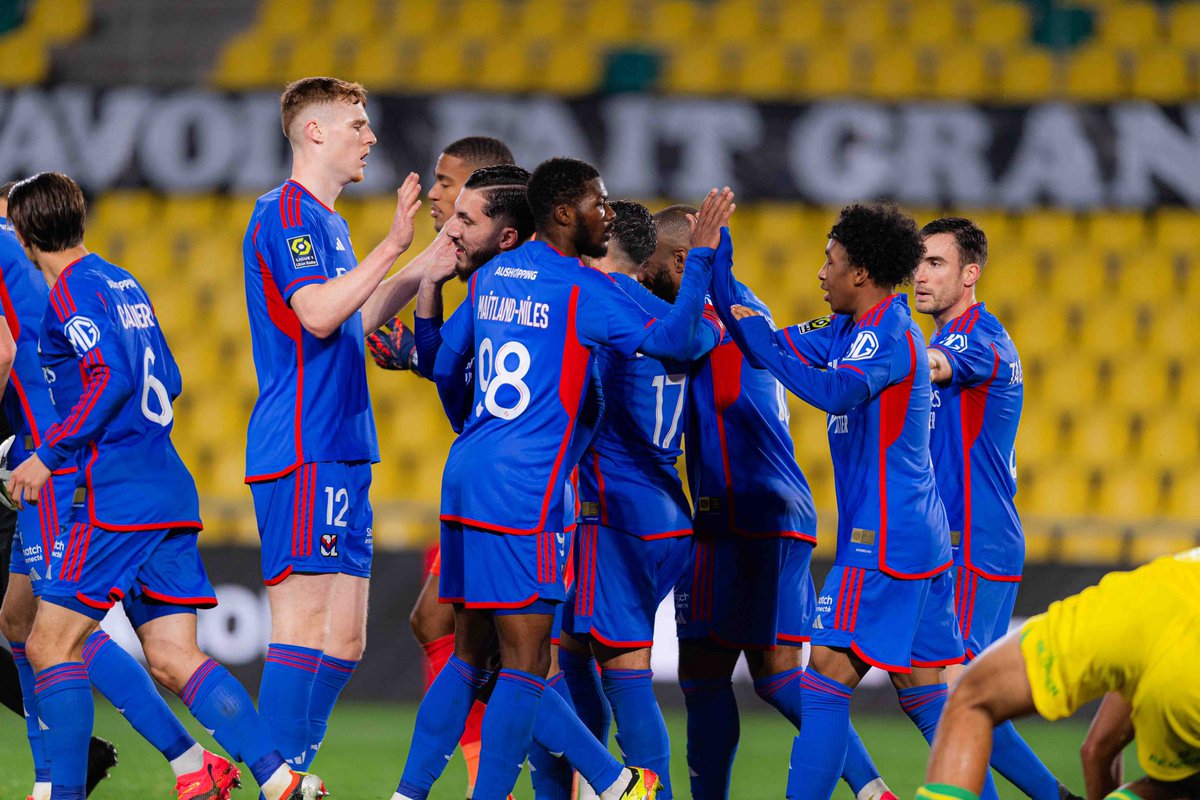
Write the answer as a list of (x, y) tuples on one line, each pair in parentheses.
[(412, 212)]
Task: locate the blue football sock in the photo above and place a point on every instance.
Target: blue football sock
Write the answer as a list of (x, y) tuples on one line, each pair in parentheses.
[(122, 680), (783, 691), (820, 750), (1013, 759), (64, 701), (549, 771), (284, 694), (37, 744), (924, 705), (221, 705), (713, 729), (641, 731), (507, 732), (557, 729), (332, 676), (439, 725), (859, 769), (587, 693)]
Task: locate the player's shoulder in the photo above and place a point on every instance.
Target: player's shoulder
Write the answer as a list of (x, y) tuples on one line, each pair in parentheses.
[(891, 319), (974, 327), (284, 208)]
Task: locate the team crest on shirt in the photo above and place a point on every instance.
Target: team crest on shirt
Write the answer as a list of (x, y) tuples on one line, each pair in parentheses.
[(956, 342), (329, 545), (814, 324), (82, 333), (866, 344), (303, 254)]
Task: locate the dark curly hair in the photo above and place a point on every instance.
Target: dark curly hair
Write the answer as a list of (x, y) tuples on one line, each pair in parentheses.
[(555, 182), (480, 151), (634, 230), (881, 239), (969, 237), (503, 190)]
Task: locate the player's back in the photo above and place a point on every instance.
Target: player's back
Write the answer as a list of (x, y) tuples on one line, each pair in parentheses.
[(973, 431), (102, 346), (741, 461), (890, 515), (23, 294), (628, 477), (313, 402)]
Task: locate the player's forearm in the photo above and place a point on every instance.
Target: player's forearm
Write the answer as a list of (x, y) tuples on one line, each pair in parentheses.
[(428, 336), (834, 391), (323, 307), (392, 295), (429, 300), (105, 393), (1111, 730), (673, 335)]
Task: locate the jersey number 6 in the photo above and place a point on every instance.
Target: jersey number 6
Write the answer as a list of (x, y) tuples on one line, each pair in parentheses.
[(150, 383)]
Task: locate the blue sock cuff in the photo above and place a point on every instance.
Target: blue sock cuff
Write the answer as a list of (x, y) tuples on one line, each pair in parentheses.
[(770, 684), (60, 677), (626, 675), (527, 681), (814, 681), (206, 676), (18, 651), (415, 792), (707, 686), (265, 767), (294, 656), (337, 664), (570, 661), (914, 698), (922, 691), (472, 675), (93, 645), (555, 681)]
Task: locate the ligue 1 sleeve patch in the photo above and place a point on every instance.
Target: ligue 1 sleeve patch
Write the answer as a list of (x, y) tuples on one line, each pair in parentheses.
[(303, 254), (814, 324), (82, 333)]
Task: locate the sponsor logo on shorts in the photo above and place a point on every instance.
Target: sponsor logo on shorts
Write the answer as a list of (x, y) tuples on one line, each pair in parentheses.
[(329, 545)]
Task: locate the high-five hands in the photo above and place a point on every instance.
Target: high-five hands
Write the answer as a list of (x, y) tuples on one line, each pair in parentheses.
[(714, 214)]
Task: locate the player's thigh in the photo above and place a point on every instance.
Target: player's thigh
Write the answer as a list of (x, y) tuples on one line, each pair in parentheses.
[(18, 609), (58, 635), (431, 619), (169, 642), (474, 636), (782, 658), (997, 682), (705, 660), (346, 617), (299, 605), (525, 641), (621, 657), (838, 664)]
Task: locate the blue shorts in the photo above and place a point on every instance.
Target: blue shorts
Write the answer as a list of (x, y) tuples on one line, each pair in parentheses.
[(889, 623), (91, 569), (38, 526), (316, 520), (620, 580), (747, 593), (983, 607), (504, 572)]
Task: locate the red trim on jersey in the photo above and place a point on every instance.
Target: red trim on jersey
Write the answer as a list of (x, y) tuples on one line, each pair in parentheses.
[(310, 194), (305, 279), (616, 642), (94, 385), (972, 402), (518, 604), (48, 516), (991, 577), (851, 366), (675, 534), (194, 602), (96, 604), (789, 638), (285, 319), (792, 344), (188, 524), (935, 664), (726, 362), (858, 651), (489, 526), (571, 384), (278, 578)]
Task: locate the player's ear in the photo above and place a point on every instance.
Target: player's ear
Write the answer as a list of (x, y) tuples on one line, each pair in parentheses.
[(680, 257), (508, 238), (313, 131), (971, 273), (564, 214)]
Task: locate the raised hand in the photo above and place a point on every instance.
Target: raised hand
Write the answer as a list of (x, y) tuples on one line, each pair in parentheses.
[(408, 200), (714, 214)]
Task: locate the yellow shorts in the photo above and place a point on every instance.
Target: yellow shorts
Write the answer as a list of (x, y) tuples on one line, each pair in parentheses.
[(1137, 633)]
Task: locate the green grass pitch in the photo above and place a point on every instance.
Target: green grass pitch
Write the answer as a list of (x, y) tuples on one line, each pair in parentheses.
[(364, 753)]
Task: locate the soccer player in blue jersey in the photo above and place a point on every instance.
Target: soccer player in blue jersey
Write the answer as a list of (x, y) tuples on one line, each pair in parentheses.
[(28, 408), (977, 397), (134, 527), (888, 602), (635, 538), (311, 439)]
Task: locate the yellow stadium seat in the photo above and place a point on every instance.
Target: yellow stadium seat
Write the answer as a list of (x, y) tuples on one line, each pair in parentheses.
[(1183, 501), (545, 18), (1092, 541), (250, 60), (1116, 333), (1130, 24), (932, 22), (1146, 279), (1094, 73), (58, 20), (441, 65), (1129, 491), (1174, 333), (1001, 24), (738, 21), (693, 70), (420, 19), (866, 22), (1170, 437), (1163, 75), (800, 21), (1161, 540), (1040, 544), (1027, 74), (25, 59), (285, 17), (1140, 384), (384, 63), (671, 22), (1117, 230), (896, 74), (1175, 231), (1048, 230), (482, 19), (349, 19), (571, 67), (1064, 383), (767, 71), (962, 73), (504, 66), (611, 22), (1040, 330), (1183, 29), (1078, 276), (1100, 436), (1014, 276), (1038, 440), (833, 72), (1056, 491), (318, 55)]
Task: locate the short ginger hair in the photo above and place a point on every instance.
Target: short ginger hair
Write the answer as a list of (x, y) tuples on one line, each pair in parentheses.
[(299, 95)]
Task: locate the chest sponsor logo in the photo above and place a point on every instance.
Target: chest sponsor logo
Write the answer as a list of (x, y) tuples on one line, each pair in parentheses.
[(303, 254), (82, 333), (956, 342), (865, 345)]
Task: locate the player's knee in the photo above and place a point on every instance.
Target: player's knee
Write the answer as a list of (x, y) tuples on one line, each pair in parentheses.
[(171, 664), (425, 625), (15, 626)]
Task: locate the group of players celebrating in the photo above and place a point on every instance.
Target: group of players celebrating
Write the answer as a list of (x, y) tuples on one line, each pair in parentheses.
[(595, 339)]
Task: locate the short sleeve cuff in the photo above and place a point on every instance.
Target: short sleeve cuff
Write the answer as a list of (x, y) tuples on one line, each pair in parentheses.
[(300, 282)]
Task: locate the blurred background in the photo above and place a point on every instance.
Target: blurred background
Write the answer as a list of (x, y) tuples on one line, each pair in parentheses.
[(1069, 130)]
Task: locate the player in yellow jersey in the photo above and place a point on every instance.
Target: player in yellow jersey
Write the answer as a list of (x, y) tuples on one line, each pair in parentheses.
[(1135, 633)]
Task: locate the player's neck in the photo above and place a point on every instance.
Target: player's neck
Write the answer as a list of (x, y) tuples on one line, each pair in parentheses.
[(318, 182), (955, 311), (559, 240), (871, 297), (53, 264)]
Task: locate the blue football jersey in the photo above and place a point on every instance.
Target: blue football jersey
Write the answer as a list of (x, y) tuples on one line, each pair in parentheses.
[(973, 432), (112, 380), (313, 403), (23, 293), (531, 321), (628, 480), (741, 462), (872, 379)]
